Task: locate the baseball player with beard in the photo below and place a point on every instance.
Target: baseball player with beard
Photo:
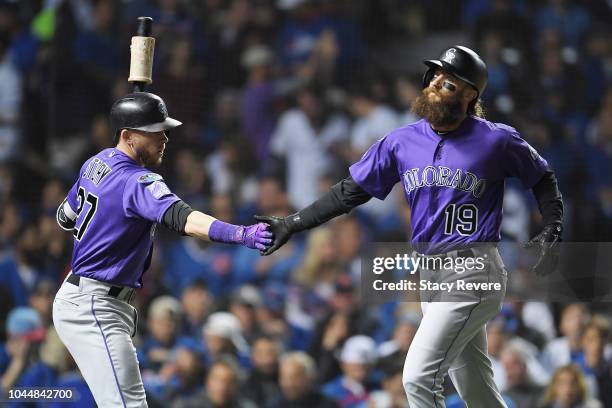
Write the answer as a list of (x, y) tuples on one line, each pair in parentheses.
[(113, 210), (452, 165)]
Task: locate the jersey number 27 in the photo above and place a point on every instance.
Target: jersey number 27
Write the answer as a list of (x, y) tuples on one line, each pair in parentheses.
[(463, 219), (92, 200)]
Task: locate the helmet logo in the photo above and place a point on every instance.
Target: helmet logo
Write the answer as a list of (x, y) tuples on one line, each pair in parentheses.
[(450, 55), (162, 109)]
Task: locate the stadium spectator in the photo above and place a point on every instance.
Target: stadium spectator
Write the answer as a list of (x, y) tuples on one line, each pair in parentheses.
[(297, 382), (568, 389), (520, 386), (20, 270), (349, 235), (407, 89), (11, 93), (97, 49), (261, 386), (320, 268), (257, 111), (221, 389), (223, 119), (497, 335), (563, 350), (243, 303), (189, 176), (223, 339), (70, 377), (329, 337), (357, 358), (594, 362), (571, 19), (392, 394), (163, 319), (197, 303), (182, 84), (229, 42), (374, 119), (21, 364), (395, 349), (182, 377), (302, 137), (41, 300)]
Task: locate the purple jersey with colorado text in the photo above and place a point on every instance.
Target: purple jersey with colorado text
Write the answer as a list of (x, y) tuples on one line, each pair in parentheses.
[(119, 204), (454, 183)]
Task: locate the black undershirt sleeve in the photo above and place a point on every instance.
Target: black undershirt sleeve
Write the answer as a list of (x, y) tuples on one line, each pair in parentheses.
[(548, 196), (176, 215), (340, 199)]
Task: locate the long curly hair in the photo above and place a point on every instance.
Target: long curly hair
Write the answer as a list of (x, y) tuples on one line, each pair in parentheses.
[(476, 108)]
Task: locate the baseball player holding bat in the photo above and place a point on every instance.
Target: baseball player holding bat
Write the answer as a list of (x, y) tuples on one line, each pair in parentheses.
[(113, 210), (452, 165)]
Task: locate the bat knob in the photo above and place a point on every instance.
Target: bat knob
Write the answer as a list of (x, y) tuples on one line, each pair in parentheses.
[(144, 27)]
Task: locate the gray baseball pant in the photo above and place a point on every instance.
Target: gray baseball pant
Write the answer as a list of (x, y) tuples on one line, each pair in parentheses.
[(452, 339), (97, 330)]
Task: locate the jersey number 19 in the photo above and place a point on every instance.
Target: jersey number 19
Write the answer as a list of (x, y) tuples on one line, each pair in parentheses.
[(463, 219)]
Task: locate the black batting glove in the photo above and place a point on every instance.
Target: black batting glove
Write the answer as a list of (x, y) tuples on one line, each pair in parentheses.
[(548, 242), (281, 229)]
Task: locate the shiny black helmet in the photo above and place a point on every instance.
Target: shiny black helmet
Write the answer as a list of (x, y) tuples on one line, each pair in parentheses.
[(461, 62), (140, 111)]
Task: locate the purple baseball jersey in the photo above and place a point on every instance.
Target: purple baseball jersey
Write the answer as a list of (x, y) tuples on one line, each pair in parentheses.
[(119, 204), (454, 183)]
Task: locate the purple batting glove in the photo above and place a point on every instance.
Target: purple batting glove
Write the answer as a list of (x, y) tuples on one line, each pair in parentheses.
[(257, 236)]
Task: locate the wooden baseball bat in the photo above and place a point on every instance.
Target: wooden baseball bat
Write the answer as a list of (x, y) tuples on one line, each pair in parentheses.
[(141, 55)]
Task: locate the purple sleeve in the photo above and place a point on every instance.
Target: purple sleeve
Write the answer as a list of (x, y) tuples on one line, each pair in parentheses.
[(523, 161), (147, 196), (376, 172), (71, 198)]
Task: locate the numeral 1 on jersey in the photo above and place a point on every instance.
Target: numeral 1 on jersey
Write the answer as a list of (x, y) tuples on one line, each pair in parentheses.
[(463, 219), (92, 199)]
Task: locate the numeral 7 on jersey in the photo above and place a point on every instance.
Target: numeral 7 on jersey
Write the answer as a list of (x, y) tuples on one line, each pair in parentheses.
[(92, 199)]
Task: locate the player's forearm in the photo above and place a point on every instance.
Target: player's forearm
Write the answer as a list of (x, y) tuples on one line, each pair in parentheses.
[(206, 227), (181, 218), (549, 199), (342, 198), (198, 225)]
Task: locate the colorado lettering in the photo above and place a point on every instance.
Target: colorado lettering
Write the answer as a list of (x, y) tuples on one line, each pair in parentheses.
[(96, 171), (443, 176)]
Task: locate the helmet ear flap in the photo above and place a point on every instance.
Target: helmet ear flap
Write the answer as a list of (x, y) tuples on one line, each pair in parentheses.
[(427, 77)]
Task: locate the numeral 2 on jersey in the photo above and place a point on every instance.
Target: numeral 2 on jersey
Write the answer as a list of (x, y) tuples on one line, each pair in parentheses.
[(92, 199), (463, 219)]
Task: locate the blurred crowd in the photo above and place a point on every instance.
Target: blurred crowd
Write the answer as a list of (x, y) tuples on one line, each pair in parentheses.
[(278, 97)]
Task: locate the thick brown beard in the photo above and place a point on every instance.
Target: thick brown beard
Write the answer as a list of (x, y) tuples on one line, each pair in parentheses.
[(443, 113)]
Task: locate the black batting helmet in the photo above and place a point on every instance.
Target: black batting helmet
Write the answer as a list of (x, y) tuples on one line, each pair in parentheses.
[(461, 62), (140, 111)]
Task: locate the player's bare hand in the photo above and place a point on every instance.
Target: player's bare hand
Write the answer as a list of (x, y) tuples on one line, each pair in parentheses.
[(548, 242), (257, 236), (280, 230)]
